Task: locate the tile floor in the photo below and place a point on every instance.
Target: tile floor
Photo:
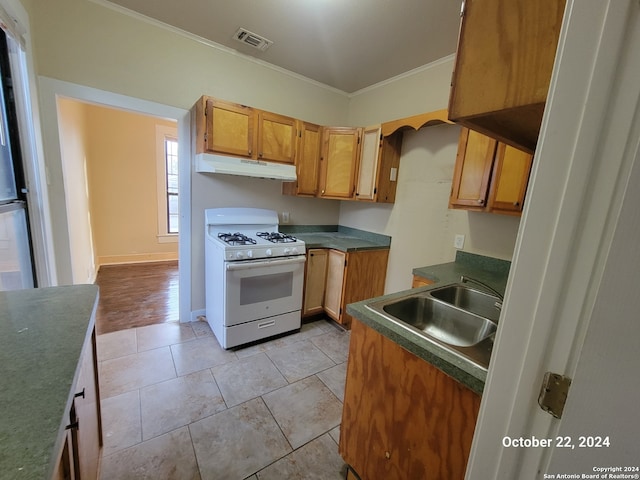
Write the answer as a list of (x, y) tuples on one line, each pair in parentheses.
[(175, 405)]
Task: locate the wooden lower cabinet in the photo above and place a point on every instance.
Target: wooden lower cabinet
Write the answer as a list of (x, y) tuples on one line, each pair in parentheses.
[(314, 283), (336, 264), (80, 455), (65, 467), (352, 277), (419, 281), (402, 417)]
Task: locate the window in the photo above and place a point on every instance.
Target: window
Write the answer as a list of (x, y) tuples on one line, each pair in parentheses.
[(171, 168), (167, 182)]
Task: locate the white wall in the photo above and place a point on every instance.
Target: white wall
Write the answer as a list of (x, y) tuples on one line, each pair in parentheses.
[(420, 224), (73, 135)]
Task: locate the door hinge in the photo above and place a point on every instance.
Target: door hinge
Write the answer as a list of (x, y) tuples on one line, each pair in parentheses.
[(553, 393)]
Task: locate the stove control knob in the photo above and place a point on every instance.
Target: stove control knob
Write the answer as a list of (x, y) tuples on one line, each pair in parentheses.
[(239, 255), (294, 251), (268, 253), (250, 254), (287, 251)]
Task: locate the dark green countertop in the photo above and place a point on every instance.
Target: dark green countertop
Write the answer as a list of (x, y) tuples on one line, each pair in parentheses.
[(494, 272), (42, 335), (337, 237)]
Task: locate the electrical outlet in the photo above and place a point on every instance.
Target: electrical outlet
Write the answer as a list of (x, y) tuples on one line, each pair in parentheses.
[(458, 241), (285, 217)]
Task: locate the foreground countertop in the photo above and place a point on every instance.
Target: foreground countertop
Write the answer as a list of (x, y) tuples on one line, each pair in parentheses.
[(491, 271), (42, 334), (337, 237)]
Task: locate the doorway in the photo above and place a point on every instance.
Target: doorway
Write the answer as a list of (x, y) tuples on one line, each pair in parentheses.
[(119, 173), (50, 91)]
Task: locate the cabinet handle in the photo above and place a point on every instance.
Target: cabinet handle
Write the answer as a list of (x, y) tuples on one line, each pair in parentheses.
[(322, 192), (480, 201), (73, 426), (79, 394), (516, 204)]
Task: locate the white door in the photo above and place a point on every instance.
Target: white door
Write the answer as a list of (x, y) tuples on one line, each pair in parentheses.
[(572, 299)]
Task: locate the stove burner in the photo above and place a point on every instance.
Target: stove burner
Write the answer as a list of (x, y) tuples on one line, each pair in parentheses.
[(236, 239), (277, 237)]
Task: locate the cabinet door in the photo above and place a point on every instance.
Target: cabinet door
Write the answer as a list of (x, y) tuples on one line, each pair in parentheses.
[(501, 75), (64, 469), (229, 128), (402, 417), (368, 165), (509, 180), (314, 282), (87, 406), (339, 161), (334, 285), (365, 276), (276, 137), (388, 168), (472, 170), (308, 159)]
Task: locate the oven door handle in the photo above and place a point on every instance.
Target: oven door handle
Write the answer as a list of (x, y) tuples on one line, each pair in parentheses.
[(265, 263)]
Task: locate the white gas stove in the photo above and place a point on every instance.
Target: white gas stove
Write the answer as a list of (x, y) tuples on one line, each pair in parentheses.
[(253, 274)]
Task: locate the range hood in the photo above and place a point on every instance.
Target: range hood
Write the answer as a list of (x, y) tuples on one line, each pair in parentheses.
[(210, 163)]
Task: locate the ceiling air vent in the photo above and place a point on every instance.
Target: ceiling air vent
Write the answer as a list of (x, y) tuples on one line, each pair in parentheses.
[(251, 39)]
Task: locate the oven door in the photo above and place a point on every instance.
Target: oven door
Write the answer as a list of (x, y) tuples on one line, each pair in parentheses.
[(258, 289)]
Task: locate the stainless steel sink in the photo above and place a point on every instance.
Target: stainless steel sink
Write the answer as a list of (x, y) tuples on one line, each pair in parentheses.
[(458, 318), (450, 325), (470, 300)]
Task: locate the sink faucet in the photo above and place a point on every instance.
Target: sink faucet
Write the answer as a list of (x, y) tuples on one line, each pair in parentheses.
[(465, 279)]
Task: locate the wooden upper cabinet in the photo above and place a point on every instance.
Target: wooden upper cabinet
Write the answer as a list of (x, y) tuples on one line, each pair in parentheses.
[(506, 50), (510, 179), (276, 137), (229, 128), (339, 161), (472, 171), (309, 143), (489, 176), (389, 164), (378, 165), (368, 166)]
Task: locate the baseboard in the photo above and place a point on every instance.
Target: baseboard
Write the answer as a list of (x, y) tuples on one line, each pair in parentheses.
[(137, 258)]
